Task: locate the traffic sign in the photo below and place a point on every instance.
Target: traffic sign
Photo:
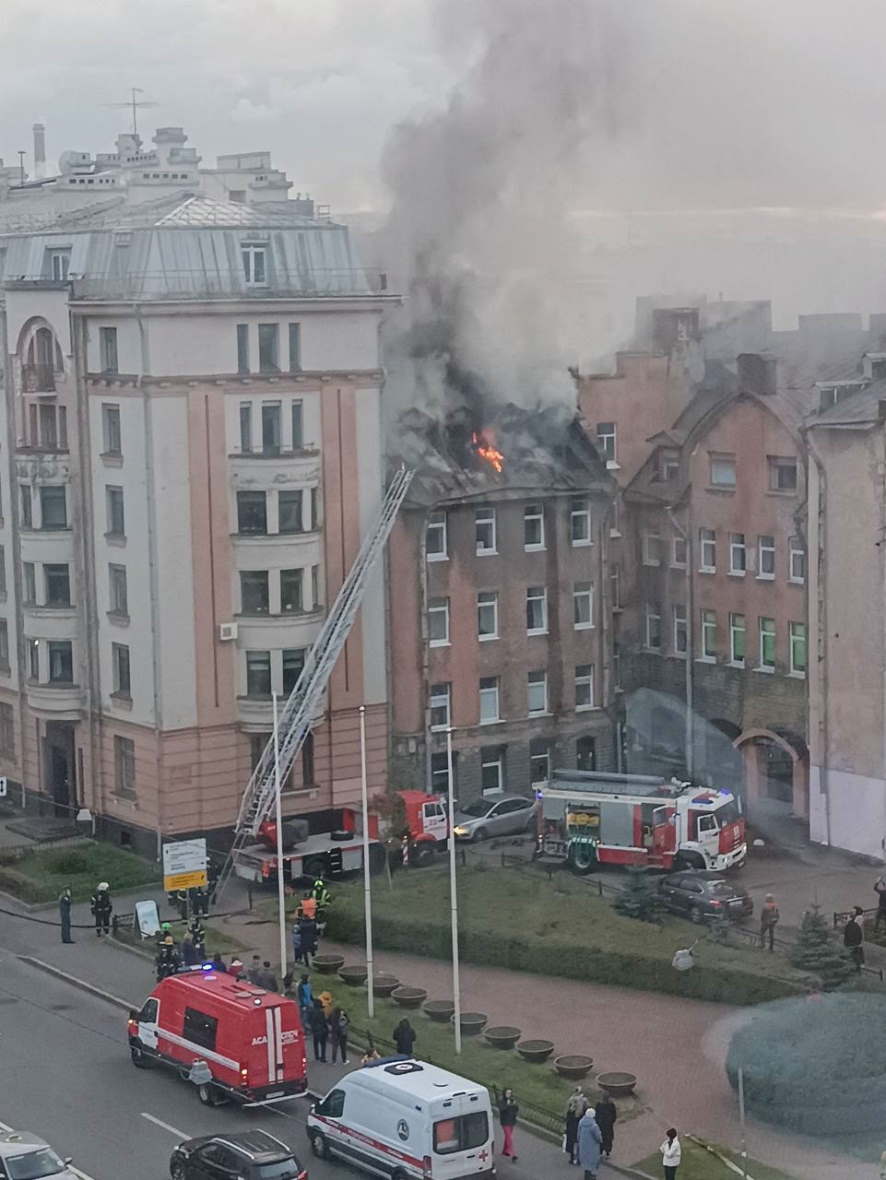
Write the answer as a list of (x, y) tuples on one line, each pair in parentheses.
[(184, 865)]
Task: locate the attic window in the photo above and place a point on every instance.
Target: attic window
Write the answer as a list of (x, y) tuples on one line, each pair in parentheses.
[(668, 464)]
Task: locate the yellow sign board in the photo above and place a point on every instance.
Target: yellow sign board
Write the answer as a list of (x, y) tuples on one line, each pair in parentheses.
[(184, 865), (194, 880)]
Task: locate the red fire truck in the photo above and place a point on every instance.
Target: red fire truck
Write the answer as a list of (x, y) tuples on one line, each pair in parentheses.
[(589, 818)]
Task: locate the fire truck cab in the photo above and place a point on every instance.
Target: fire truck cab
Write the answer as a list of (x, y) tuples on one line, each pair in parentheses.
[(589, 818)]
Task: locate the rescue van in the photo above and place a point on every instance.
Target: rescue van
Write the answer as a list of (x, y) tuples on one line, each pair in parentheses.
[(406, 1120), (231, 1039)]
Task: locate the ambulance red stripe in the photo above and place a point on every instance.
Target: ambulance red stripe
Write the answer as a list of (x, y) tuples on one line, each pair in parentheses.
[(370, 1142)]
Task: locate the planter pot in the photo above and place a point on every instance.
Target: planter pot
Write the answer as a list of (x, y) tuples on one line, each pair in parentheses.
[(503, 1036), (535, 1051), (617, 1085), (327, 964), (439, 1010), (573, 1066), (409, 997), (353, 976), (383, 985), (472, 1023)]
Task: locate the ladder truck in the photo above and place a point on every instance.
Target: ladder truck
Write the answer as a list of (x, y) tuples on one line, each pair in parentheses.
[(341, 848)]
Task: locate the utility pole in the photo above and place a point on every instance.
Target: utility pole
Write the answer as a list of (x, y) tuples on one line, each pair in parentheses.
[(453, 896), (367, 886), (278, 816)]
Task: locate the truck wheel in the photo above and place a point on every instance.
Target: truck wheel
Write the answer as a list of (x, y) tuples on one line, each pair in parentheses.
[(208, 1094), (687, 860), (139, 1057), (315, 866), (582, 861), (423, 855), (319, 1146)]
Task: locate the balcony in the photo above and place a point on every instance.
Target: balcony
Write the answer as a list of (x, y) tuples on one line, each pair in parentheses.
[(60, 698), (38, 379)]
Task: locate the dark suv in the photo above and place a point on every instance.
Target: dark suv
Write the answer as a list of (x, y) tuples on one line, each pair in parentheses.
[(701, 895), (247, 1155)]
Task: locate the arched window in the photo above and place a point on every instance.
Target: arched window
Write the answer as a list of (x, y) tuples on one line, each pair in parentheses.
[(41, 357)]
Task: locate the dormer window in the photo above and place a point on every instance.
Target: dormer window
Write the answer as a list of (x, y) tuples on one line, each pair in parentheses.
[(58, 263), (668, 464), (254, 265)]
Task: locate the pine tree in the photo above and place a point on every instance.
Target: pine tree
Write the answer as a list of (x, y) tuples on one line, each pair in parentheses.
[(815, 951), (639, 898)]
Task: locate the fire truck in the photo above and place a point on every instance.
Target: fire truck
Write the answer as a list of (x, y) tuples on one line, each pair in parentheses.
[(589, 818)]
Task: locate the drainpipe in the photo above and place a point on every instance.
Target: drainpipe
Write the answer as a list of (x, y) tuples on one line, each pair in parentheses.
[(817, 469), (422, 630), (686, 535)]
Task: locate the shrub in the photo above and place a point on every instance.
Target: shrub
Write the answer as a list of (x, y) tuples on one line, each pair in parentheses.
[(816, 951), (639, 897)]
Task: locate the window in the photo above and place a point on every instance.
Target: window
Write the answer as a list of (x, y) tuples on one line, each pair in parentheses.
[(107, 340), (289, 512), (4, 644), (615, 585), (53, 508), (653, 627), (484, 530), (438, 622), (254, 596), (435, 536), (333, 1105), (539, 761), (797, 566), (61, 661), (315, 508), (736, 639), (120, 659), (7, 730), (48, 415), (254, 269), (738, 556), (651, 548), (797, 634), (34, 659), (59, 265), (270, 428), (291, 590), (293, 662), (681, 629), (111, 430), (709, 635), (668, 464), (124, 766), (487, 614), (29, 583), (584, 686), (252, 512), (707, 547), (245, 427), (679, 551), (116, 515), (767, 643), (766, 557), (586, 753), (294, 348), (57, 585), (580, 522), (25, 507), (315, 587), (489, 710), (118, 595), (723, 471), (2, 571), (583, 605), (536, 610), (440, 712), (782, 474), (533, 527), (440, 772), (199, 1028), (258, 673), (268, 348), (298, 427), (491, 769), (537, 691), (606, 440), (243, 348), (462, 1133), (307, 760)]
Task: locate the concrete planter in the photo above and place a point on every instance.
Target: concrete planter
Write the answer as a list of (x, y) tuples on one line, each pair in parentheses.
[(617, 1085), (383, 985), (574, 1066), (472, 1023), (503, 1036), (409, 997), (439, 1010), (535, 1052), (353, 976), (327, 964)]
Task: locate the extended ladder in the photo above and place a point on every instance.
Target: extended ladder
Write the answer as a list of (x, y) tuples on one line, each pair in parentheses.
[(294, 720)]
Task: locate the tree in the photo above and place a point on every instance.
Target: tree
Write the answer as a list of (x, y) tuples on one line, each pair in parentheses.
[(639, 898), (815, 951)]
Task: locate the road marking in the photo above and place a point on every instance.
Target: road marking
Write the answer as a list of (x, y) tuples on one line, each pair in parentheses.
[(166, 1127), (82, 1175)]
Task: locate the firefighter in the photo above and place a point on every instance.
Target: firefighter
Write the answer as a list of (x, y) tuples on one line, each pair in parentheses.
[(322, 897), (198, 934), (200, 902), (181, 903), (167, 961), (101, 905)]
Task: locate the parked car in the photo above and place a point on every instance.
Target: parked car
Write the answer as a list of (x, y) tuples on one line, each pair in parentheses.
[(495, 815), (248, 1155), (699, 895), (28, 1157)]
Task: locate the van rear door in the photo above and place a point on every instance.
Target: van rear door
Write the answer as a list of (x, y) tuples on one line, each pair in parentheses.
[(461, 1137), (292, 1040)]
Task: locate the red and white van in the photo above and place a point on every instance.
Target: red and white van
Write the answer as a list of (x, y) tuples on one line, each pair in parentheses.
[(233, 1040)]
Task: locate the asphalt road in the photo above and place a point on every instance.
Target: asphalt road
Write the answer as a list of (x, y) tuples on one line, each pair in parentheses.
[(65, 1074)]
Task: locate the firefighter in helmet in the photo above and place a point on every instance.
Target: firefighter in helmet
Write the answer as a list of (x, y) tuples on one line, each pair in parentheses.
[(322, 897), (101, 907)]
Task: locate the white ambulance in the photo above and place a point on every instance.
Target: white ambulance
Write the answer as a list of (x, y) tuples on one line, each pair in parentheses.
[(406, 1120)]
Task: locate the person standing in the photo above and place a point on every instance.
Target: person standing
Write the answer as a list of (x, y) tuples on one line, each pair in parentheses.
[(101, 907), (254, 972), (605, 1113), (404, 1038), (769, 917), (188, 950), (338, 1033), (296, 942), (507, 1116), (671, 1154), (308, 929), (880, 890), (590, 1144), (64, 912), (267, 979), (575, 1108), (319, 1031), (853, 937), (305, 997)]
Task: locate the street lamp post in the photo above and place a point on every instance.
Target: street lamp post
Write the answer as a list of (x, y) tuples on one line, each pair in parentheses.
[(278, 816), (367, 887), (453, 895)]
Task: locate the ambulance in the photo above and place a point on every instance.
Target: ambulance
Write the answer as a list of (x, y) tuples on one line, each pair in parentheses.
[(234, 1041)]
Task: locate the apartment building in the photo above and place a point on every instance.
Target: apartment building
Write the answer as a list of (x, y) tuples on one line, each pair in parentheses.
[(190, 444), (498, 596)]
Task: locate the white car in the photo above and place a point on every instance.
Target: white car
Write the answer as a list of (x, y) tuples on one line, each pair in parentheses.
[(28, 1157), (496, 815)]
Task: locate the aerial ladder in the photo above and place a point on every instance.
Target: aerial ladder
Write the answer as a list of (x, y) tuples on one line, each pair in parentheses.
[(296, 716)]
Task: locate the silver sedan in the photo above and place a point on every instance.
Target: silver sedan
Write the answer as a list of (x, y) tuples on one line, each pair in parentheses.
[(495, 815), (28, 1157)]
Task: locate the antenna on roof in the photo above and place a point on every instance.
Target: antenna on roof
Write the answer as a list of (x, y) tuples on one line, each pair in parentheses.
[(134, 105)]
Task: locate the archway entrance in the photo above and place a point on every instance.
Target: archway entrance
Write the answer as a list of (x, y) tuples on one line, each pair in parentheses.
[(776, 766)]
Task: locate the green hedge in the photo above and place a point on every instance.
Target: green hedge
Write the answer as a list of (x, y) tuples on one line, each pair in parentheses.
[(40, 874)]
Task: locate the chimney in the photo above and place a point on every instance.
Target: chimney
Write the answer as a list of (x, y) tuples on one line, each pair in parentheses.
[(757, 374), (39, 150)]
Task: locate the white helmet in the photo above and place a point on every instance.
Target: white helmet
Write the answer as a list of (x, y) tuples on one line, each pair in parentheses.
[(103, 885)]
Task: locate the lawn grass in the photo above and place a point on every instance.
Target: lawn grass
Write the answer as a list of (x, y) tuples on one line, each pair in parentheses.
[(41, 875), (699, 1164)]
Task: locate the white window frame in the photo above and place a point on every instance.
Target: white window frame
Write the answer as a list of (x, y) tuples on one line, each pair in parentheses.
[(680, 619), (766, 575), (720, 462), (485, 516), (608, 441), (439, 607), (533, 758), (651, 547), (534, 513), (434, 525), (585, 680), (678, 543), (708, 630), (248, 255), (762, 666), (737, 546), (774, 463), (800, 673), (583, 590), (580, 509), (440, 700), (543, 599), (491, 597), (668, 464), (734, 630), (707, 547), (535, 679), (60, 264), (492, 692), (498, 763), (797, 550), (648, 615)]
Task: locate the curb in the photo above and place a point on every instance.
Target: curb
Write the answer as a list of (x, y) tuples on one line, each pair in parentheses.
[(74, 981)]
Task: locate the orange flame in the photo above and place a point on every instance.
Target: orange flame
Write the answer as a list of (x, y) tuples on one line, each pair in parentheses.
[(484, 447)]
